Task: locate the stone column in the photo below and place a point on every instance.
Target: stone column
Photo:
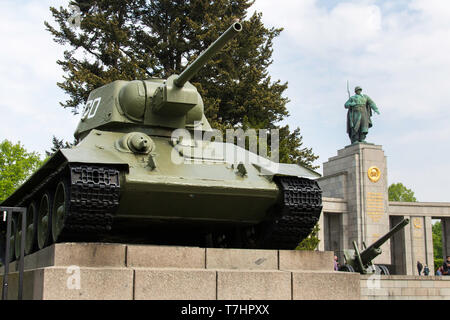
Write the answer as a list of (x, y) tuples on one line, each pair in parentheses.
[(409, 256), (321, 234), (362, 172), (429, 244), (418, 244), (400, 251)]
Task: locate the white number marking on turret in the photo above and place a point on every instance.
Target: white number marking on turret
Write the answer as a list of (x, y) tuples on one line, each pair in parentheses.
[(86, 110), (94, 108), (90, 109)]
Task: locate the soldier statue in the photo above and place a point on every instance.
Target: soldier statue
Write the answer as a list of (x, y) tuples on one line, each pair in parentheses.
[(360, 108)]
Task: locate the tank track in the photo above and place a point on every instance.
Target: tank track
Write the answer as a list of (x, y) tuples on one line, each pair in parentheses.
[(94, 197), (296, 215)]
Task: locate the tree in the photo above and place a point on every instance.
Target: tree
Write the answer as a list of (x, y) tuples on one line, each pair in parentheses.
[(137, 39), (311, 242), (398, 192), (16, 165), (437, 244), (59, 144)]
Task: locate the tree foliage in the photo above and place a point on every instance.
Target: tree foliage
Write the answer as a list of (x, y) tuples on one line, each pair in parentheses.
[(16, 165), (437, 244), (398, 192), (312, 241), (138, 39)]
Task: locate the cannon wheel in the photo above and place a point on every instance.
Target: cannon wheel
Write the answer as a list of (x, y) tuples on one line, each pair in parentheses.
[(382, 270), (346, 268)]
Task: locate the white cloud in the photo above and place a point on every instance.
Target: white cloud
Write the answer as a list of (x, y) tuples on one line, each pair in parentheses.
[(397, 51), (29, 95), (434, 12), (314, 29), (390, 52)]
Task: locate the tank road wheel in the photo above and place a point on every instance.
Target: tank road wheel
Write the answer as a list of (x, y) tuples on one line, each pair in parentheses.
[(382, 270), (44, 225), (31, 243), (30, 239), (18, 237), (13, 237), (60, 209), (346, 268)]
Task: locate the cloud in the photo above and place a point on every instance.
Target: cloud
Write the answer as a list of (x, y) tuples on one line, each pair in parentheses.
[(396, 50), (389, 51), (316, 30), (29, 95)]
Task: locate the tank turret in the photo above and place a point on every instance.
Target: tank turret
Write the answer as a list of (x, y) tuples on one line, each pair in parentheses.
[(171, 103)]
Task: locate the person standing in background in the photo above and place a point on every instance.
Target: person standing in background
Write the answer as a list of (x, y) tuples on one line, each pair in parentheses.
[(426, 270), (336, 263), (419, 267), (446, 267)]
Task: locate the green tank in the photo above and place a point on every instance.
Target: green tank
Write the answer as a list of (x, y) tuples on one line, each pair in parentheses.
[(142, 173)]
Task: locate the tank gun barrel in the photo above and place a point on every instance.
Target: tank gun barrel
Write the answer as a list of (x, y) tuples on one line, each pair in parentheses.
[(374, 249), (203, 58)]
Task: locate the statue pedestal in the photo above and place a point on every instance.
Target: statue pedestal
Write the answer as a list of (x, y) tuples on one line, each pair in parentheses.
[(358, 174)]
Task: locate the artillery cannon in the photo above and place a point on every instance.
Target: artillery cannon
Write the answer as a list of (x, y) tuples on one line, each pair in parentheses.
[(362, 261), (130, 180)]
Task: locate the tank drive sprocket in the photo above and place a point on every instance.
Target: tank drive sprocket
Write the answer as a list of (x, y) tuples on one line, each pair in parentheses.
[(92, 198), (296, 215)]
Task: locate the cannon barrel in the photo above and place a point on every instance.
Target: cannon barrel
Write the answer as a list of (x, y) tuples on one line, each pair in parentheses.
[(374, 249), (203, 58)]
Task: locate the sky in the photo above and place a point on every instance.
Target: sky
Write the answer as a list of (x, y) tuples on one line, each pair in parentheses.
[(397, 51)]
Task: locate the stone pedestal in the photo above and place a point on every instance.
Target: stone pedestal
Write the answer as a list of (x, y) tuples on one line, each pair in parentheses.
[(358, 174), (125, 272)]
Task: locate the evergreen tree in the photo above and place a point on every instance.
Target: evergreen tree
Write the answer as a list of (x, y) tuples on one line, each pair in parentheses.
[(138, 39), (58, 144)]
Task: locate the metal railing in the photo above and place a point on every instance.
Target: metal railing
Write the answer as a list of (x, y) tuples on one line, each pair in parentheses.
[(8, 213)]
